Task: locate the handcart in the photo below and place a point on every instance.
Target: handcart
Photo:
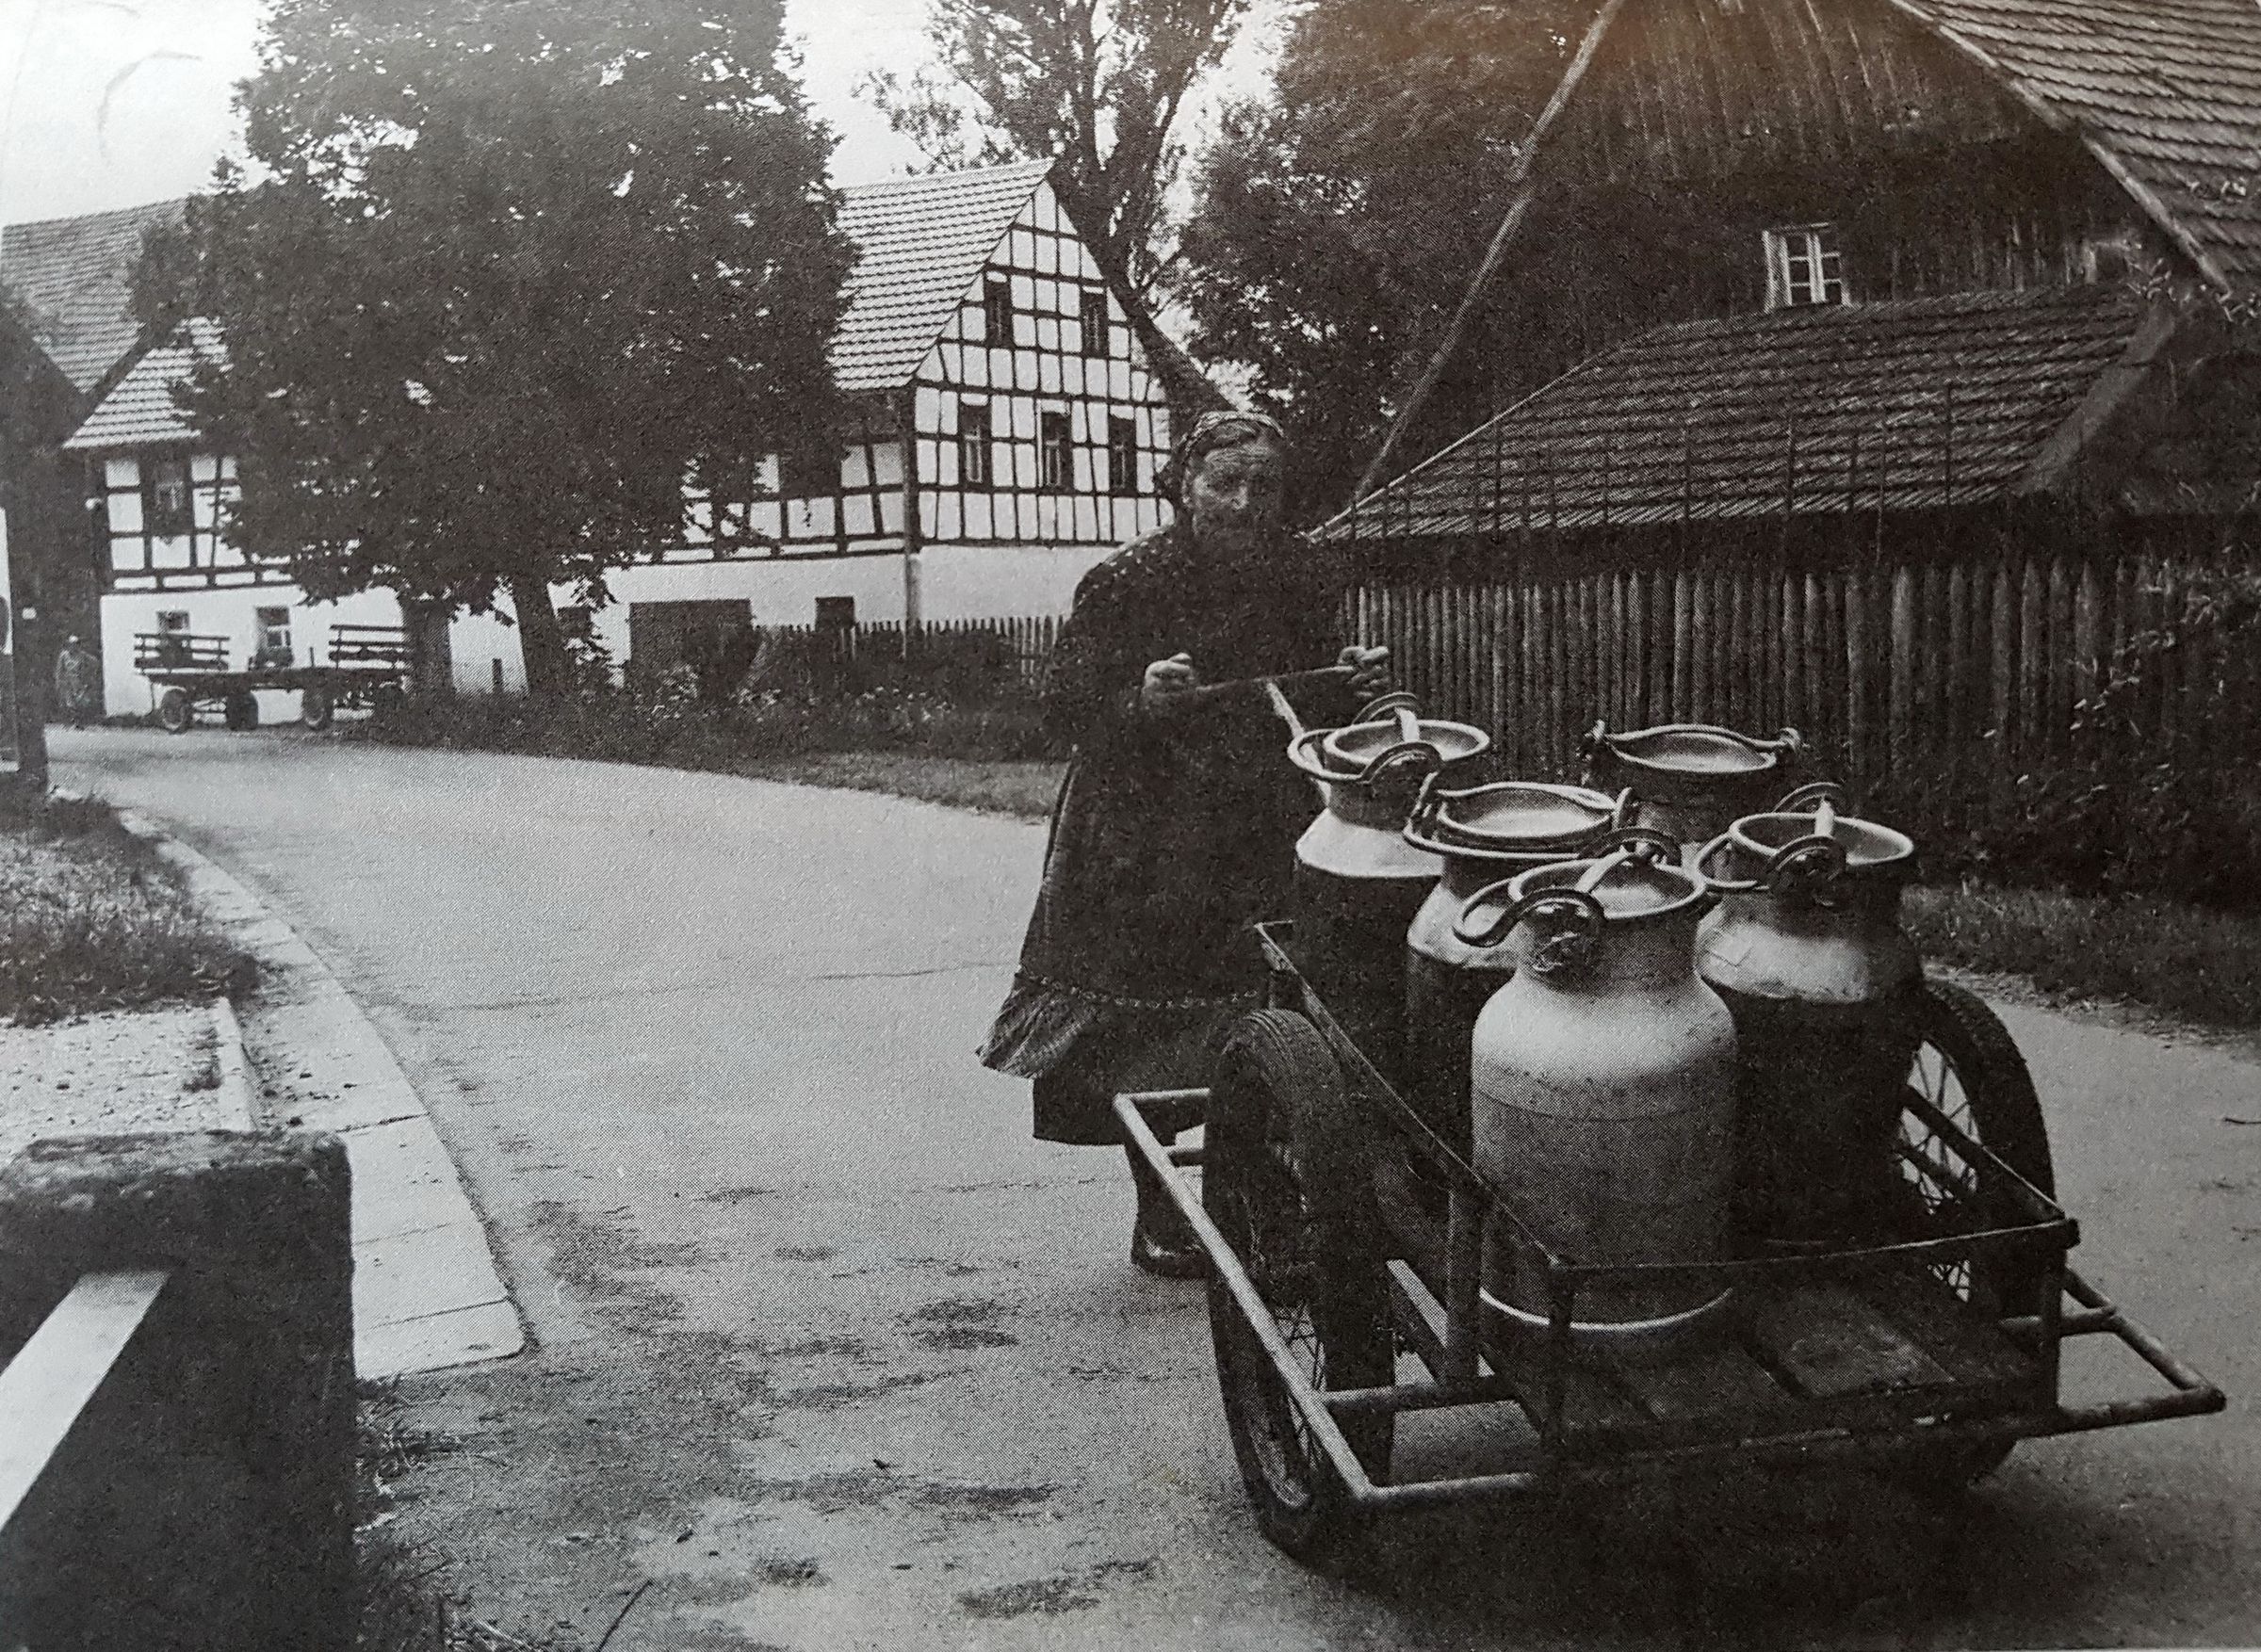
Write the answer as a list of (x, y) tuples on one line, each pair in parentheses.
[(367, 667), (1342, 1231)]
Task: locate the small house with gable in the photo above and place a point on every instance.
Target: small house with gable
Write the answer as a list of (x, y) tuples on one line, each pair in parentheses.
[(1870, 367)]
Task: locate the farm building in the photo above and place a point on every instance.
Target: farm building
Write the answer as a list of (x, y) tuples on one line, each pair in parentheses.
[(1008, 436), (1877, 369)]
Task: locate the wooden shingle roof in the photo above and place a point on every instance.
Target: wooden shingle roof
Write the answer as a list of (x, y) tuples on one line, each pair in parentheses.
[(1913, 404), (71, 273), (139, 407), (2166, 93), (921, 242)]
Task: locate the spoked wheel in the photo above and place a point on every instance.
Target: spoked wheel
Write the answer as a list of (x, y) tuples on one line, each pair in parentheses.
[(1969, 1069), (315, 708), (1284, 1180), (175, 712)]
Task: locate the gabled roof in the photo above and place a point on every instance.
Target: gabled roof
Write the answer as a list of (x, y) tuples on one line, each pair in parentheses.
[(139, 407), (922, 241), (1918, 403), (72, 274), (2166, 93)]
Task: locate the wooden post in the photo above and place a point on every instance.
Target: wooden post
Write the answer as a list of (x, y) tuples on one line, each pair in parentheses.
[(1901, 692), (2002, 707), (914, 534)]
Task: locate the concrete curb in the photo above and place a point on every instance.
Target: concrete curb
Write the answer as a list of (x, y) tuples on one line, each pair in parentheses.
[(426, 1293), (236, 1097)]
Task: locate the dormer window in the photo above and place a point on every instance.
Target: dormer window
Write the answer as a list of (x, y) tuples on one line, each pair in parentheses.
[(1803, 267)]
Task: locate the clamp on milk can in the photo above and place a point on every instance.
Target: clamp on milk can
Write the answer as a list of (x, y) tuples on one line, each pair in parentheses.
[(1689, 779), (1603, 1093), (1483, 836), (1807, 950), (1357, 883)]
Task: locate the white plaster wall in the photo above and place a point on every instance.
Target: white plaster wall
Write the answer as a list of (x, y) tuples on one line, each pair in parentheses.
[(1000, 582), (230, 612)]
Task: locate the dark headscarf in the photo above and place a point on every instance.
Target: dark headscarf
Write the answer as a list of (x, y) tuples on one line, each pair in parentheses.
[(1208, 433)]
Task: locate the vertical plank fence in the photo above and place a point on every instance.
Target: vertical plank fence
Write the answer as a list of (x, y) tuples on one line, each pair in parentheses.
[(1966, 667)]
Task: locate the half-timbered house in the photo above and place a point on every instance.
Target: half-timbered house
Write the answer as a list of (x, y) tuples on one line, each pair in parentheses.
[(1859, 366), (1005, 433)]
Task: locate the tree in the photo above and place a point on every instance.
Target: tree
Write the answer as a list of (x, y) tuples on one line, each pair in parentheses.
[(1339, 219), (510, 276), (1095, 86)]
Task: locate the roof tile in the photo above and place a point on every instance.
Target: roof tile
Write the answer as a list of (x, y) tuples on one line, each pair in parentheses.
[(139, 407), (1816, 410), (72, 274)]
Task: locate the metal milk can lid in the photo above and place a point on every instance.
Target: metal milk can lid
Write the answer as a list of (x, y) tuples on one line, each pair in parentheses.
[(1518, 818), (1639, 880), (1691, 749), (1390, 737), (1804, 839)]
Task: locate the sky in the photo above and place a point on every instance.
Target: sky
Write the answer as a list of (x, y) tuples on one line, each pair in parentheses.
[(111, 103)]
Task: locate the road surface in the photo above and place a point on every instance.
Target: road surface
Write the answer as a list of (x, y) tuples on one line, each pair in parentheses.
[(832, 1354)]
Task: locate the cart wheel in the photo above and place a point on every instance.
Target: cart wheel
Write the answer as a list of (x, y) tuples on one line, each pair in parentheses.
[(315, 708), (1283, 1179), (386, 699), (176, 713), (1969, 1068), (242, 711)]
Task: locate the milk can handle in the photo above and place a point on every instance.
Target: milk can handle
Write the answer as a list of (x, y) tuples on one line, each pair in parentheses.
[(1591, 916), (1825, 856), (1664, 847), (1405, 754), (1814, 792)]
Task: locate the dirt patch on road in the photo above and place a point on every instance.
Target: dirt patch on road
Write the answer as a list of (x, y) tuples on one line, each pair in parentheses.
[(1067, 1591)]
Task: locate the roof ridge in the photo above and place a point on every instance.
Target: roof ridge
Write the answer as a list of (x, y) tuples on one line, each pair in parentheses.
[(88, 218), (915, 179)]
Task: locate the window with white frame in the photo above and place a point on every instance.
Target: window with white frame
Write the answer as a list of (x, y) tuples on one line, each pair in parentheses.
[(1803, 267), (973, 444)]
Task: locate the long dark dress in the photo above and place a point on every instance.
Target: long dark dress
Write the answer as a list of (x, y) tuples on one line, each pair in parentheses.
[(1169, 837)]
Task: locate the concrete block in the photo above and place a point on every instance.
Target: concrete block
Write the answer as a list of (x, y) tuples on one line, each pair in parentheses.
[(204, 1499)]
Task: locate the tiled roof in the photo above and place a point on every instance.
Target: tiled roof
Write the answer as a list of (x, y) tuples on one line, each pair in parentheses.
[(922, 242), (1826, 408), (139, 407), (2167, 93), (70, 274)]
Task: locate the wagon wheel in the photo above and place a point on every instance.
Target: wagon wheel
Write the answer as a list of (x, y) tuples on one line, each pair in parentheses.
[(176, 712), (385, 699), (1969, 1068), (1283, 1180), (315, 708), (241, 710)]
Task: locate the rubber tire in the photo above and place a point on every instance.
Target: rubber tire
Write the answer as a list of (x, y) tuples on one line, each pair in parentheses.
[(242, 711), (2004, 1114), (1281, 1120), (176, 712), (315, 708)]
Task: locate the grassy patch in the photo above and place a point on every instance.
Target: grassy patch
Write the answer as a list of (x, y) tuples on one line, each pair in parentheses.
[(91, 919), (2185, 960), (1023, 787)]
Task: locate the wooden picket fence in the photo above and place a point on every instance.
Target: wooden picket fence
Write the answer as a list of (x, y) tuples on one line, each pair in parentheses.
[(1027, 639), (1989, 661)]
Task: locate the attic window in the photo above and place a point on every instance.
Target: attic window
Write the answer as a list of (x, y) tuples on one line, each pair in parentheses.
[(1803, 267)]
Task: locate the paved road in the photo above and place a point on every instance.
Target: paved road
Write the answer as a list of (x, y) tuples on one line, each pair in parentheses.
[(828, 1349)]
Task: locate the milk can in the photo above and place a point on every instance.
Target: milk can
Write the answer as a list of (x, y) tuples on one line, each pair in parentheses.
[(1482, 835), (1807, 950), (1358, 881), (1689, 779), (1602, 1091)]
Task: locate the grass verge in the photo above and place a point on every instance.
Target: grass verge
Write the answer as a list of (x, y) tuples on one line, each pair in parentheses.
[(90, 918), (2184, 961), (1020, 787)]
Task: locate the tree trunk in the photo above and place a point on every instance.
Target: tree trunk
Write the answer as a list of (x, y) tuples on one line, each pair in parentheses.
[(540, 638), (430, 657)]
